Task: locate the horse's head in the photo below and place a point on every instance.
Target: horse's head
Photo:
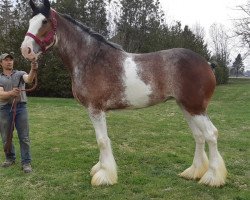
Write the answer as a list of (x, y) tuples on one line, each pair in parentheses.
[(41, 34)]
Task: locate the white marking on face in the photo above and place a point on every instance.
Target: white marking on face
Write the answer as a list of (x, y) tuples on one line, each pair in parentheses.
[(136, 91), (29, 43), (36, 23)]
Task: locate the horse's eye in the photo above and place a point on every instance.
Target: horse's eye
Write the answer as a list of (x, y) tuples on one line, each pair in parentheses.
[(45, 21)]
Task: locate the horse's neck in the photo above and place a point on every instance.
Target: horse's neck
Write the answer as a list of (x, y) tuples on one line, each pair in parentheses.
[(74, 45)]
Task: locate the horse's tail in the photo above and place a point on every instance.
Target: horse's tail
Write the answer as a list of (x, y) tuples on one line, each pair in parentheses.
[(213, 65)]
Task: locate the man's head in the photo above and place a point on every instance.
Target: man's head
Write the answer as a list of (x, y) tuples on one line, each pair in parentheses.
[(6, 61), (6, 55)]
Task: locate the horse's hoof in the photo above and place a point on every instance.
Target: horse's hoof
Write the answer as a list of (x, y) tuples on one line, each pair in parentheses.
[(103, 178), (215, 177)]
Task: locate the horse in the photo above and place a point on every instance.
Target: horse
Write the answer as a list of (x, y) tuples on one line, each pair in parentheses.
[(105, 77)]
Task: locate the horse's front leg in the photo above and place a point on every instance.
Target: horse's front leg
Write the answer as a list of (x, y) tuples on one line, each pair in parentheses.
[(104, 172)]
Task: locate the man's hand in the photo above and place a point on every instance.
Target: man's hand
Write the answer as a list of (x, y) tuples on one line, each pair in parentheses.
[(28, 78), (15, 92), (34, 65)]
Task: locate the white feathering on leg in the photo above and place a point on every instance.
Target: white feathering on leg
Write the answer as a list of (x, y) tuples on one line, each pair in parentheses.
[(216, 174), (95, 168), (200, 161), (196, 170), (104, 172)]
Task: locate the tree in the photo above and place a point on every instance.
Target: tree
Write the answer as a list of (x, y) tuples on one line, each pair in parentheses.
[(199, 31), (238, 66), (113, 13), (9, 37), (68, 7), (221, 52), (242, 28), (194, 42), (221, 72), (96, 16), (6, 16), (138, 19), (220, 44), (22, 13)]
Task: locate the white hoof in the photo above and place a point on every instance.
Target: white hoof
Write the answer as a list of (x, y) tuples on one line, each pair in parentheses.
[(103, 177), (95, 168), (215, 176)]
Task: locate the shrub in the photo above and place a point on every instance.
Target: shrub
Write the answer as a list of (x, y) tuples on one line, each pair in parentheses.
[(222, 75)]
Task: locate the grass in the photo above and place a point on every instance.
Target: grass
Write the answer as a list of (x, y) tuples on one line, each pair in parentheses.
[(151, 147)]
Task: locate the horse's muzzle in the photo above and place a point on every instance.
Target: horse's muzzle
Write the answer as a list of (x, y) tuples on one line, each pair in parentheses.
[(27, 52)]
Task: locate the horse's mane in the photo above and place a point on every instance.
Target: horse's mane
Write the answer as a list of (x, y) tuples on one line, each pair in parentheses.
[(92, 33)]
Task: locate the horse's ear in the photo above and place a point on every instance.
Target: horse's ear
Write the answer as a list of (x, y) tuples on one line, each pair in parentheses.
[(33, 6), (46, 3)]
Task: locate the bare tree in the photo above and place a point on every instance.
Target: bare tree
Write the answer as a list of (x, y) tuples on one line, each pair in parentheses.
[(220, 44), (199, 31), (242, 25)]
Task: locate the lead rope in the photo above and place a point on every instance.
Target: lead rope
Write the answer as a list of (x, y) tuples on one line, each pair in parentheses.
[(8, 144)]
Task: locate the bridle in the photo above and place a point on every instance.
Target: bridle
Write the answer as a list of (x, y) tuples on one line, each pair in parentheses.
[(50, 38)]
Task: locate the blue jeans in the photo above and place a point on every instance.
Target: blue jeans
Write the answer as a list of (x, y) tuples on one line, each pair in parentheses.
[(22, 127)]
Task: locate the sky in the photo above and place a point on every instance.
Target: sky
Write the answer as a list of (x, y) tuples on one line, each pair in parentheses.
[(205, 13)]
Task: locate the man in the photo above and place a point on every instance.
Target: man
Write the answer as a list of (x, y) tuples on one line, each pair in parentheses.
[(11, 83)]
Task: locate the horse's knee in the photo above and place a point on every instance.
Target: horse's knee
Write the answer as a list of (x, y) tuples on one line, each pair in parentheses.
[(103, 142), (199, 139), (211, 137), (216, 133), (198, 135)]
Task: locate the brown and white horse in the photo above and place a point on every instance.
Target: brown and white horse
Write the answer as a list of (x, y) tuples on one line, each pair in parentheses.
[(104, 77)]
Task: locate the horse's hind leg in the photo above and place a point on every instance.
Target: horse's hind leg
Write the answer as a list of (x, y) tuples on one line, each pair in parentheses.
[(104, 172), (216, 173), (200, 161)]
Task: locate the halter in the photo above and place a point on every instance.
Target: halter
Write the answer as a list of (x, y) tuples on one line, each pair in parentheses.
[(50, 37)]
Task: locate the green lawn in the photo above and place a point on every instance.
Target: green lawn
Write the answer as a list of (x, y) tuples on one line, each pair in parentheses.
[(151, 147)]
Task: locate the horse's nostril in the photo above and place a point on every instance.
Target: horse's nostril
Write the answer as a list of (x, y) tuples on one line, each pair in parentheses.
[(29, 50)]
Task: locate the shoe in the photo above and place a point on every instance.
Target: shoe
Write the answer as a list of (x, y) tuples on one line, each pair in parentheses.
[(27, 168), (8, 163)]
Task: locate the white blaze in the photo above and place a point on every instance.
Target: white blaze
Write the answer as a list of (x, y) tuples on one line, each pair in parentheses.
[(29, 43), (36, 23), (136, 91)]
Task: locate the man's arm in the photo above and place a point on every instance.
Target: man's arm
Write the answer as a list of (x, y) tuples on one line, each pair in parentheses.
[(28, 78), (9, 94)]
